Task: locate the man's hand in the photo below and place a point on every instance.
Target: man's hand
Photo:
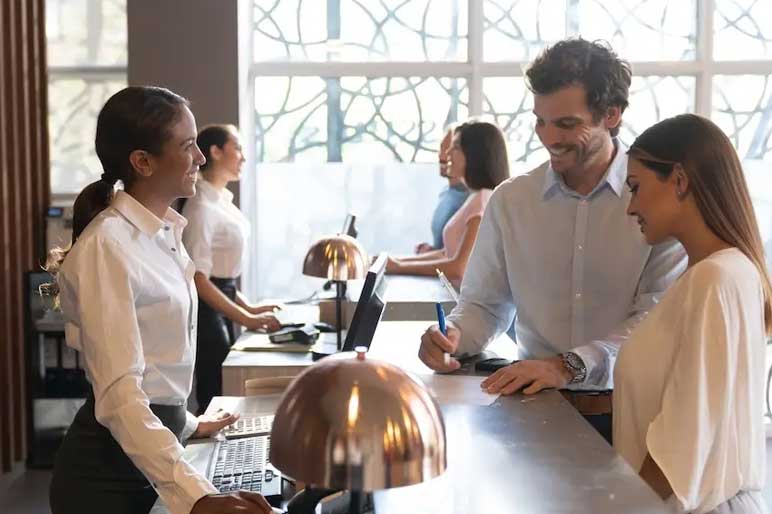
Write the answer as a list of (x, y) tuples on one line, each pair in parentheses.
[(237, 502), (535, 374), (435, 346), (210, 424)]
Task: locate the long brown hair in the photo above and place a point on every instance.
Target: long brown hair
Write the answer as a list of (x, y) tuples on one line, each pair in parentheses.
[(134, 118), (485, 152), (716, 180)]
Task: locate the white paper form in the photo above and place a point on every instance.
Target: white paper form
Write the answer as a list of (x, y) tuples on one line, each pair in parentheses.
[(458, 389)]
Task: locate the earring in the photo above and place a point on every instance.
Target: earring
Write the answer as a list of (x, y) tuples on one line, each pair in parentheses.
[(681, 194)]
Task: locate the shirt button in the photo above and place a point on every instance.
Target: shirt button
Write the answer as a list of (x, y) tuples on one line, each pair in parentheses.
[(174, 249), (580, 247), (578, 295), (166, 227)]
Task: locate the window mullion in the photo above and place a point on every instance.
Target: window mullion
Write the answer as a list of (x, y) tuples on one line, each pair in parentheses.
[(475, 32), (704, 85)]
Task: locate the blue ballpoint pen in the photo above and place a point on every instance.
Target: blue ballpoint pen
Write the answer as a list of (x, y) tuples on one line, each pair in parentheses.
[(441, 319), (443, 329)]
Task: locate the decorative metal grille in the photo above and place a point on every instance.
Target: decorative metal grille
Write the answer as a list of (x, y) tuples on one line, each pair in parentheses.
[(742, 107), (640, 30), (360, 30), (742, 30), (354, 118)]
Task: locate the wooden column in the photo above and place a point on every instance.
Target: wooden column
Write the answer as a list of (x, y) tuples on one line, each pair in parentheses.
[(24, 196)]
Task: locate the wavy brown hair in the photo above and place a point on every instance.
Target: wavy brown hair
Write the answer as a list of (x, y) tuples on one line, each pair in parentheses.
[(593, 64), (716, 180)]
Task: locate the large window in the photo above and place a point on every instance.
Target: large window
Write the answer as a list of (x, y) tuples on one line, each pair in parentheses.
[(369, 84), (86, 42)]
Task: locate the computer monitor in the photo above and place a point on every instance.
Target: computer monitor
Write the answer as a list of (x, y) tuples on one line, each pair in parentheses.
[(348, 226), (369, 308)]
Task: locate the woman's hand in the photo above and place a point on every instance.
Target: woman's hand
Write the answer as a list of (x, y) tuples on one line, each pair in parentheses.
[(265, 321), (210, 424), (241, 502), (393, 265), (423, 248), (261, 309)]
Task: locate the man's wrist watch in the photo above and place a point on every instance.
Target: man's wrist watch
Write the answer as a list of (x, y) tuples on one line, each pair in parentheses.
[(575, 365)]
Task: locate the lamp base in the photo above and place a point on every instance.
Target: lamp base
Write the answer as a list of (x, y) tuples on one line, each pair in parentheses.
[(324, 347), (331, 502)]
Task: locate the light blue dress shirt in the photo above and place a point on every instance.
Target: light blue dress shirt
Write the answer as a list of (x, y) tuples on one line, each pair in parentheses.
[(575, 270), (451, 200)]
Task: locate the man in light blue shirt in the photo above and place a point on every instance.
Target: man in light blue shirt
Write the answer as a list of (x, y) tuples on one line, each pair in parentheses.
[(556, 250)]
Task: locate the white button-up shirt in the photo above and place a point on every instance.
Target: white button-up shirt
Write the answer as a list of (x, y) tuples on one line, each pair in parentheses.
[(217, 232), (574, 271), (129, 302)]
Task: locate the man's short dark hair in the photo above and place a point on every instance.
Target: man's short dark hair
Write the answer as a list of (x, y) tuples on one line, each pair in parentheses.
[(592, 64)]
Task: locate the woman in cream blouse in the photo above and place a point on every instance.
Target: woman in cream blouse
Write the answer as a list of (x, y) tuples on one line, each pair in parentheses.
[(689, 383)]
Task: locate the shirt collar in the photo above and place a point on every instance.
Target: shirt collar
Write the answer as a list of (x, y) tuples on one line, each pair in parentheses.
[(615, 175), (139, 216), (211, 193)]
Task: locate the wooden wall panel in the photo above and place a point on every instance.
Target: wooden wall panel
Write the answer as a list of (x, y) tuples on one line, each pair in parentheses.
[(24, 194)]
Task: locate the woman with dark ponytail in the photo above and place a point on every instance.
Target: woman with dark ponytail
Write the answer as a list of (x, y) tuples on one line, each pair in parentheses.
[(216, 238), (128, 298)]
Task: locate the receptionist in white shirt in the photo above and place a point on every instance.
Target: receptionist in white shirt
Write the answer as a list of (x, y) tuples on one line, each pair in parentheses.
[(216, 239), (127, 295)]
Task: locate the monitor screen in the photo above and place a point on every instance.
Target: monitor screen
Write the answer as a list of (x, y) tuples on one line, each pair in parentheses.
[(369, 308), (348, 226)]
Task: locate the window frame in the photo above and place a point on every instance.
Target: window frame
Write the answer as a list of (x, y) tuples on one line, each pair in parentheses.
[(704, 68), (88, 73)]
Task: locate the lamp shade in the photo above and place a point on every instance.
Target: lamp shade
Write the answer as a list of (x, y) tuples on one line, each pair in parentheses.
[(337, 257), (360, 424)]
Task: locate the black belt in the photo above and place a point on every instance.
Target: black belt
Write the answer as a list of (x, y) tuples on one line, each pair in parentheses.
[(224, 283)]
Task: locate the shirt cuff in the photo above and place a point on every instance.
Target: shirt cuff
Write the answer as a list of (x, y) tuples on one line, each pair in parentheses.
[(595, 363), (188, 487), (191, 425)]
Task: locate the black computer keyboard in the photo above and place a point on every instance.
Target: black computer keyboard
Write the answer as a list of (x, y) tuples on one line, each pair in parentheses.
[(242, 464)]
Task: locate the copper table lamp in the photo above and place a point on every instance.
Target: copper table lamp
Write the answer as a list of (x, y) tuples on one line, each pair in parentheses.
[(356, 424), (336, 258)]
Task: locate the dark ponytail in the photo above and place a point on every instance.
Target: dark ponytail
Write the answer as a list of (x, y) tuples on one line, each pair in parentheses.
[(216, 134), (134, 118)]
